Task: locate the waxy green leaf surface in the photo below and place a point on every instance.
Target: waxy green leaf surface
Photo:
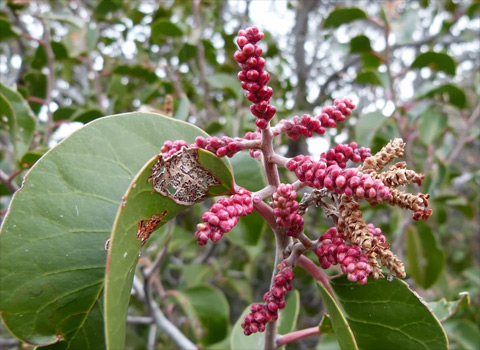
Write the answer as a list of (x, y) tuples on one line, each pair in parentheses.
[(52, 255), (139, 203), (385, 315)]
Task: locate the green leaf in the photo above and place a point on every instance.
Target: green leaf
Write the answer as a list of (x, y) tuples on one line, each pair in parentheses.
[(436, 61), (461, 204), (325, 325), (431, 126), (360, 43), (187, 52), (22, 123), (36, 84), (211, 308), (328, 342), (405, 26), (444, 309), (87, 115), (163, 28), (239, 341), (52, 256), (136, 71), (64, 113), (425, 260), (448, 93), (341, 327), (370, 61), (384, 314), (369, 78), (182, 111), (343, 15), (141, 204), (473, 10), (464, 333), (289, 315), (367, 126), (7, 30), (227, 82)]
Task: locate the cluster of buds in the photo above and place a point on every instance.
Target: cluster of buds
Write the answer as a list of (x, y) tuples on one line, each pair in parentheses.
[(253, 77), (307, 125), (254, 153), (333, 250), (340, 154), (222, 147), (223, 216), (274, 300), (171, 147), (286, 210), (350, 182)]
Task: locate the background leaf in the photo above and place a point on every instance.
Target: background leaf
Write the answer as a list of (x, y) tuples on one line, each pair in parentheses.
[(366, 127), (211, 308), (344, 15), (436, 61), (449, 93), (431, 126), (22, 124), (425, 259)]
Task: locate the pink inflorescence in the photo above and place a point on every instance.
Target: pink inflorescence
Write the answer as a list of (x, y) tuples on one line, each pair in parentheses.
[(307, 125), (274, 299), (254, 153), (349, 181), (334, 250), (222, 147), (171, 147), (253, 77), (286, 210), (340, 154), (223, 216)]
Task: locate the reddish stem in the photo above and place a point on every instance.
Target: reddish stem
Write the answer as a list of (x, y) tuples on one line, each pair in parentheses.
[(294, 336)]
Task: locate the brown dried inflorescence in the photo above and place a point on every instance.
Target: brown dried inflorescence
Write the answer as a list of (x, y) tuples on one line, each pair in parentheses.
[(394, 149), (357, 231)]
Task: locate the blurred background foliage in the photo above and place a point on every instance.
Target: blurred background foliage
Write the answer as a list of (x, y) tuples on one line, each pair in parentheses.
[(411, 67)]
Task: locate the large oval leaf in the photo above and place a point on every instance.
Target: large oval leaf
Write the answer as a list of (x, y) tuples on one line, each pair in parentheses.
[(52, 257), (385, 315), (141, 212), (425, 260)]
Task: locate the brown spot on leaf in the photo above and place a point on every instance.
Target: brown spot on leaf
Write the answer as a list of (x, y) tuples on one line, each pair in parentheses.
[(182, 178), (146, 227)]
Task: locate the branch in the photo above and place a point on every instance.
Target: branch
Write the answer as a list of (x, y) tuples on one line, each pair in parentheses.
[(160, 320), (463, 138), (7, 181), (202, 65), (50, 79)]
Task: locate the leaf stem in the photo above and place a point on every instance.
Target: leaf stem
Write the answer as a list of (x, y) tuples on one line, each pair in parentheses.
[(294, 336), (316, 272)]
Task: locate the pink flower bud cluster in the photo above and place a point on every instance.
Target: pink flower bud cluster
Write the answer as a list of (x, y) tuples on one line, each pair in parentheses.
[(254, 153), (225, 146), (349, 182), (334, 250), (223, 216), (171, 147), (340, 154), (307, 125), (274, 299), (253, 77), (376, 232), (286, 210)]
